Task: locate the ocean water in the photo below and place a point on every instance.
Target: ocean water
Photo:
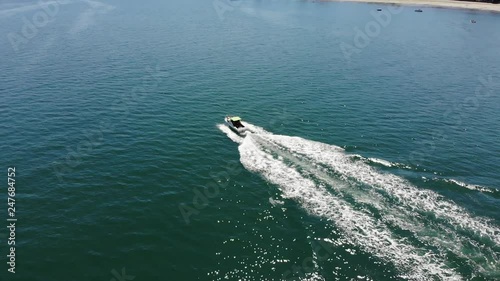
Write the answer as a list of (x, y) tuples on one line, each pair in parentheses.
[(373, 152)]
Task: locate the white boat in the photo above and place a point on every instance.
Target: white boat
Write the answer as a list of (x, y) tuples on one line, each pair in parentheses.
[(234, 122)]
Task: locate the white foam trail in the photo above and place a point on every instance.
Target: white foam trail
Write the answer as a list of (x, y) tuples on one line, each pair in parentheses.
[(414, 198), (360, 229), (232, 135), (438, 235), (275, 202), (469, 186), (403, 166), (381, 162), (256, 129), (483, 258)]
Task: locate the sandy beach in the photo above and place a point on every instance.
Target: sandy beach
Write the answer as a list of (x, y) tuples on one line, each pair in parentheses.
[(433, 3)]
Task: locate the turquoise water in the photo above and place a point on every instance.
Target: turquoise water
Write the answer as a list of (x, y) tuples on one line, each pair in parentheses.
[(378, 165)]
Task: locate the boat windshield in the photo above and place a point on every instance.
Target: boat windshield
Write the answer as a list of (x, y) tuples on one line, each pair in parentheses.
[(237, 124)]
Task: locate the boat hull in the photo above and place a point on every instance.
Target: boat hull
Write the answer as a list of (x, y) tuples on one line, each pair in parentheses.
[(240, 131)]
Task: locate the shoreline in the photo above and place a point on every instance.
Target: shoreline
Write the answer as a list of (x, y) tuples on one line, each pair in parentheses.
[(477, 6)]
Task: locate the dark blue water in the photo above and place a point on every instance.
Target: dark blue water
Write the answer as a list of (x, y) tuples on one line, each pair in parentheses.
[(111, 111)]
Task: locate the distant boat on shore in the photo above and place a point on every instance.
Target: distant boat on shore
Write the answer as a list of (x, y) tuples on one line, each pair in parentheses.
[(418, 10)]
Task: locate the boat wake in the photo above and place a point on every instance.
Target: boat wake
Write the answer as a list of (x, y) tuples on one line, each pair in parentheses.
[(425, 235), (456, 183)]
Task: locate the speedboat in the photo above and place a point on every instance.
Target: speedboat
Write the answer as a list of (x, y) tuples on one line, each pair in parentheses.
[(234, 122), (418, 10)]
